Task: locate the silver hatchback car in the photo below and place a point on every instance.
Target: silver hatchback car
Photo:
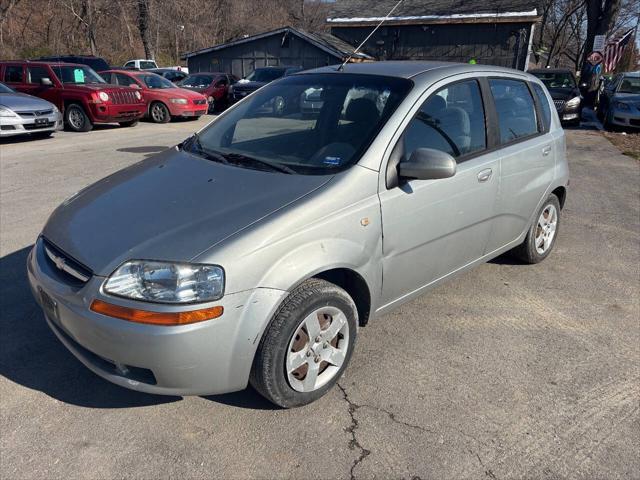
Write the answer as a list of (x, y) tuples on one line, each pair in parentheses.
[(253, 251)]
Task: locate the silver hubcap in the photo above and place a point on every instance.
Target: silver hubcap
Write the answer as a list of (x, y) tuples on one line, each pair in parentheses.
[(317, 349), (75, 118), (157, 112), (546, 229)]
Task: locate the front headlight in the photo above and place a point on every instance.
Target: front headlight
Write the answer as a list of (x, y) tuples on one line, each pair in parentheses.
[(574, 102), (621, 106), (103, 96), (138, 95), (7, 112), (167, 282), (55, 109), (180, 101)]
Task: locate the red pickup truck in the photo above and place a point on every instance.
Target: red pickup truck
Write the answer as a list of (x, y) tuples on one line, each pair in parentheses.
[(80, 94)]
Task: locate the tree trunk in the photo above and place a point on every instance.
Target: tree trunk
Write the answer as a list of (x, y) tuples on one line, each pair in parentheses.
[(144, 18)]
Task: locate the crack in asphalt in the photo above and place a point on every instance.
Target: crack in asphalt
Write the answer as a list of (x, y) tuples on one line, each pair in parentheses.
[(487, 471), (354, 442)]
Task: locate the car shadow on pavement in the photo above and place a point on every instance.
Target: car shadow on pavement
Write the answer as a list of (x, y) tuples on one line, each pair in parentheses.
[(31, 355)]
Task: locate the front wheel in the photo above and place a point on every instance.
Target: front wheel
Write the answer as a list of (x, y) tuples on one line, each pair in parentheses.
[(542, 235), (159, 112), (307, 346), (76, 119)]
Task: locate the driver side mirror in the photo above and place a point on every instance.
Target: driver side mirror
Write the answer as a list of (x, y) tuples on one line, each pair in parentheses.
[(46, 81), (428, 164)]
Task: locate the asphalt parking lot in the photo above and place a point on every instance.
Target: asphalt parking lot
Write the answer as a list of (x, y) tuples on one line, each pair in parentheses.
[(509, 371)]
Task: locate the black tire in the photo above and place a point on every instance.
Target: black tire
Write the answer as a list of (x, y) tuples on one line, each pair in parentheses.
[(527, 251), (130, 123), (159, 113), (76, 119), (268, 375)]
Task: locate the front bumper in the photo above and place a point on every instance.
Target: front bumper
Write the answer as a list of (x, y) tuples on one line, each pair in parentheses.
[(625, 118), (109, 113), (10, 126), (568, 114), (205, 358)]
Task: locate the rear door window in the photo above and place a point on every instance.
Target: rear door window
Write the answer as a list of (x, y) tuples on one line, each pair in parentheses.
[(14, 74), (543, 100), (452, 120), (36, 74), (515, 108)]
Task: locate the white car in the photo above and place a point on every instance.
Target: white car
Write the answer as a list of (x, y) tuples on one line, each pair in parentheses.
[(141, 64)]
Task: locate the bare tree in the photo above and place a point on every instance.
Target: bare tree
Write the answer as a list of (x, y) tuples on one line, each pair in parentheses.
[(144, 20)]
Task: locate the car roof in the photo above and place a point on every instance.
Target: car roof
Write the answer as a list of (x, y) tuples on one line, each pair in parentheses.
[(550, 70), (208, 73), (409, 69)]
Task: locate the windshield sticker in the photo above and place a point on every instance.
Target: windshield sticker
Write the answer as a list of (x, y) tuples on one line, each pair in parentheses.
[(334, 161), (78, 75)]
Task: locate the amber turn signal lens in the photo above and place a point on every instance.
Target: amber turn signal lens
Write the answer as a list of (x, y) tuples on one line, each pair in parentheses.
[(156, 318)]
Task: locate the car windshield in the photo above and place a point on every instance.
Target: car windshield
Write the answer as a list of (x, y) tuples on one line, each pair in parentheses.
[(145, 64), (277, 129), (630, 85), (197, 81), (151, 80), (556, 79), (265, 75), (76, 74), (5, 89)]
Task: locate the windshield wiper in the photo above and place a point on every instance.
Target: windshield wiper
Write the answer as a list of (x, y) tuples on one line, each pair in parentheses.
[(273, 165), (204, 153)]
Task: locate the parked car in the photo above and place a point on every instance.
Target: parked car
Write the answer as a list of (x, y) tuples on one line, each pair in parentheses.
[(259, 78), (164, 99), (141, 64), (619, 102), (96, 63), (213, 85), (564, 90), (83, 97), (254, 250), (171, 74), (22, 114)]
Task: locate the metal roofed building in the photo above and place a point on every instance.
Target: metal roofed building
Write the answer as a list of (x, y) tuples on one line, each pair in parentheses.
[(281, 47), (497, 32)]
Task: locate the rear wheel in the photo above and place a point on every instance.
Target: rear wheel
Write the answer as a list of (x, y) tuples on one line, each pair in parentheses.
[(130, 123), (542, 235), (159, 113), (76, 119), (307, 346)]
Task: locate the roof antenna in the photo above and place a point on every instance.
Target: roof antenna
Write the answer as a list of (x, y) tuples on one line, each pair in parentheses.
[(341, 67)]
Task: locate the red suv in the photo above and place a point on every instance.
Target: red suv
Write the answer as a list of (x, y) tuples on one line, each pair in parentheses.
[(164, 99), (80, 94)]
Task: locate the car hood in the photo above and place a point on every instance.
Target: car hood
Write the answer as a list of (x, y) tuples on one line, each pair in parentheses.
[(248, 85), (22, 101), (172, 206), (564, 93), (630, 98), (173, 93)]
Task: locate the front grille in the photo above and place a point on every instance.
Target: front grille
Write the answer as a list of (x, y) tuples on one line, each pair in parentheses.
[(7, 127), (68, 268), (201, 101), (38, 126), (635, 122), (120, 97), (559, 104), (35, 113)]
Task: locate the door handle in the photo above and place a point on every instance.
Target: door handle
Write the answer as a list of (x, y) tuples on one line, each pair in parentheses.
[(485, 175), (546, 150)]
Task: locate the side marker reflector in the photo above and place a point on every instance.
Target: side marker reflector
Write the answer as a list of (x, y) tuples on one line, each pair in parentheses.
[(156, 318)]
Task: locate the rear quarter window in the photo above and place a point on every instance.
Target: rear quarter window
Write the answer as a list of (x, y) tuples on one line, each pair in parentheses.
[(13, 74), (543, 100), (515, 108)]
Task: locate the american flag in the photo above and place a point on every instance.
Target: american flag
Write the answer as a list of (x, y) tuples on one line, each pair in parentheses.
[(614, 50)]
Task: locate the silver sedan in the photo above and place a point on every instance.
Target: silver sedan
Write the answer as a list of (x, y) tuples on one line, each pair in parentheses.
[(22, 114)]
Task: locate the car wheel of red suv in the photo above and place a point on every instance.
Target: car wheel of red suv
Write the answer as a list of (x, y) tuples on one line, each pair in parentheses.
[(76, 119)]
